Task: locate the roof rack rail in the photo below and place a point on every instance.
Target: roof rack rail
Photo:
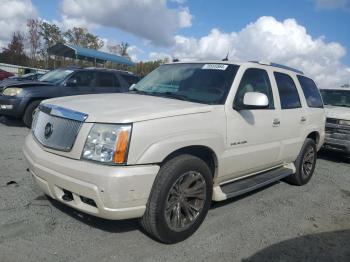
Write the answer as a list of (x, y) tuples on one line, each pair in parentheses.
[(279, 66)]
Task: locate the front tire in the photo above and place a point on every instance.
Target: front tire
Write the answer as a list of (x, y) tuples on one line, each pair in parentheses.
[(179, 200), (305, 164), (28, 113)]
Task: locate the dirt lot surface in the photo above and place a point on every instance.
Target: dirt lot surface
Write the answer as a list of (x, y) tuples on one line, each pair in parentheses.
[(278, 223)]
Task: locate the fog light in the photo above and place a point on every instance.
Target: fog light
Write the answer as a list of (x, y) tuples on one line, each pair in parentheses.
[(6, 107)]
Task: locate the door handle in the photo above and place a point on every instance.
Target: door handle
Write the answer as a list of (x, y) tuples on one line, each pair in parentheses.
[(276, 122), (303, 119)]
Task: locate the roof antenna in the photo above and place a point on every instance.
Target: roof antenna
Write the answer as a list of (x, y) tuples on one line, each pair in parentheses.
[(226, 58)]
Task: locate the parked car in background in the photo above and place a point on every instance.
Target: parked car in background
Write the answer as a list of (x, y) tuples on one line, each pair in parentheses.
[(186, 134), (29, 76), (337, 105), (20, 99), (5, 74)]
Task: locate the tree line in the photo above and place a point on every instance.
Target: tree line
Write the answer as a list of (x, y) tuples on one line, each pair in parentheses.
[(30, 48)]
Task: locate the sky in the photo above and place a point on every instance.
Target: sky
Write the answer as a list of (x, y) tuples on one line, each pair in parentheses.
[(311, 35)]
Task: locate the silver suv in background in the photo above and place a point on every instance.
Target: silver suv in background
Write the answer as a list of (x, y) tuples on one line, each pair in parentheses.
[(337, 105)]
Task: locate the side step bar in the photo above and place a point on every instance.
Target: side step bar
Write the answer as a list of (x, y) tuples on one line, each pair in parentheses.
[(245, 185)]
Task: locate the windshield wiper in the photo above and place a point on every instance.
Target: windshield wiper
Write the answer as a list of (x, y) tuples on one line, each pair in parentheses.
[(135, 90)]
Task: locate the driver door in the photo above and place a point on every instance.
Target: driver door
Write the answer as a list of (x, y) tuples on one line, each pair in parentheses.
[(253, 135)]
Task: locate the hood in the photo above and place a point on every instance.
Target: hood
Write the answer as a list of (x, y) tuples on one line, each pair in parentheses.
[(127, 108), (338, 112), (23, 83)]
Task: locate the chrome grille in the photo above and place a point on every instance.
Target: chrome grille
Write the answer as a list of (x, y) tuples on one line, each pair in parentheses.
[(332, 120), (54, 131)]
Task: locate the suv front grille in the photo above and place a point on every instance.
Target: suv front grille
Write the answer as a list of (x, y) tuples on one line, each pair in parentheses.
[(332, 120), (54, 131)]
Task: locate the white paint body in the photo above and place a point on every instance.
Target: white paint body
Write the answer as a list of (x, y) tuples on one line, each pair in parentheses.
[(162, 126)]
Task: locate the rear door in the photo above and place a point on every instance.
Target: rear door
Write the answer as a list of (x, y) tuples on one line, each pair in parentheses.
[(107, 82), (293, 119), (315, 111)]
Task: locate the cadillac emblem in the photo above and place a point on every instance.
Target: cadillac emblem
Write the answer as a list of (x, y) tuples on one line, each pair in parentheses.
[(48, 130)]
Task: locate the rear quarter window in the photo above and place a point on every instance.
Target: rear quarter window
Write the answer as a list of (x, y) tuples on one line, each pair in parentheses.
[(311, 92)]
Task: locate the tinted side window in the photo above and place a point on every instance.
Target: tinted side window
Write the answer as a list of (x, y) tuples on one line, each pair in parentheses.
[(288, 91), (254, 80), (105, 79), (312, 95), (83, 78)]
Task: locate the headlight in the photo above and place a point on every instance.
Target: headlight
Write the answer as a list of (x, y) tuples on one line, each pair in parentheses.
[(344, 122), (107, 143), (12, 91)]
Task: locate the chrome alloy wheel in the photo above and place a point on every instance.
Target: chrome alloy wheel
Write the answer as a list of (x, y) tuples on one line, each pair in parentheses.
[(308, 162), (185, 201)]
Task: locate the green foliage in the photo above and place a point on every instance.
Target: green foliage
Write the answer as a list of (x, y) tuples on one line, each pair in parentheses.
[(81, 37), (51, 34), (14, 52)]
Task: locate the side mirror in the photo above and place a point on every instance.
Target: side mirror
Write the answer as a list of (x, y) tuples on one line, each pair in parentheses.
[(132, 86), (255, 100), (72, 82)]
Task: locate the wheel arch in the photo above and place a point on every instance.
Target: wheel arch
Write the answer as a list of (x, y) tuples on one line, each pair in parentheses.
[(314, 135), (203, 152)]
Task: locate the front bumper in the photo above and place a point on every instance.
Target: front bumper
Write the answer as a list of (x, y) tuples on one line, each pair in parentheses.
[(12, 106), (337, 138), (116, 192)]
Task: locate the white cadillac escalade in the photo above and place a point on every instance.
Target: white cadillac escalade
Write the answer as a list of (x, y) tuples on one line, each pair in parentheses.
[(185, 135)]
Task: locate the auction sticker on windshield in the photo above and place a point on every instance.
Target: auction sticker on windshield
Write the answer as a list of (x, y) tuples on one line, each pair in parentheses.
[(215, 66)]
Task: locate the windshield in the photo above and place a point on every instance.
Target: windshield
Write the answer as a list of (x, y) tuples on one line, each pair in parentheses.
[(201, 83), (55, 76), (336, 97)]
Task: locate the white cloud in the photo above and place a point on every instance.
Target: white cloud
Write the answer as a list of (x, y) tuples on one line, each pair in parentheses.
[(185, 18), (153, 56), (67, 22), (13, 17), (332, 4), (152, 20), (267, 39)]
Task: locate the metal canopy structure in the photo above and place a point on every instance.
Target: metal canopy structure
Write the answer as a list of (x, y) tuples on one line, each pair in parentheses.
[(86, 54)]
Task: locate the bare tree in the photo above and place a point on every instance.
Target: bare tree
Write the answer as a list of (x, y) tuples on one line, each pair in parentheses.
[(34, 30), (120, 49), (124, 49), (114, 49)]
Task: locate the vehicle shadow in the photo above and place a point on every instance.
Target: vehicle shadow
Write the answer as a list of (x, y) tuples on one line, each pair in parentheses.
[(321, 247), (10, 121), (334, 156), (111, 226)]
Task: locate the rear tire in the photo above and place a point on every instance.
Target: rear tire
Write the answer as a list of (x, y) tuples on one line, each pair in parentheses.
[(179, 200), (305, 164), (28, 113)]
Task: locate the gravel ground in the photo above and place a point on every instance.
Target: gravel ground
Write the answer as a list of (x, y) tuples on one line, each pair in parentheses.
[(277, 223)]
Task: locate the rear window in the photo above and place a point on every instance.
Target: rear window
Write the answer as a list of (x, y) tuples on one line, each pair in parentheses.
[(288, 91), (107, 80), (312, 95)]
